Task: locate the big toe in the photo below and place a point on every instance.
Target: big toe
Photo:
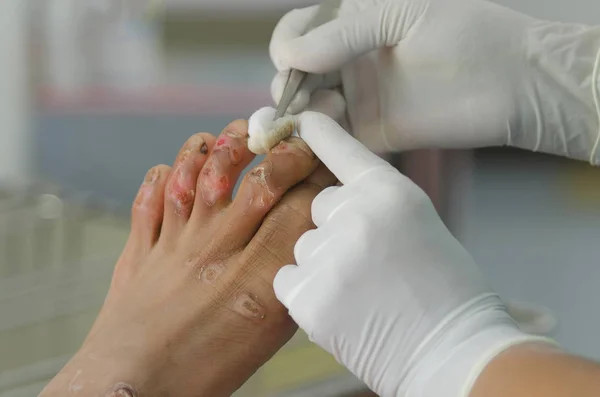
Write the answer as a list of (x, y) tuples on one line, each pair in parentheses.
[(284, 166)]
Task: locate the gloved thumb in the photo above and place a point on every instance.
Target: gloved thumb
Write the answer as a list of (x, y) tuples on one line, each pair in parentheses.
[(345, 157), (328, 47)]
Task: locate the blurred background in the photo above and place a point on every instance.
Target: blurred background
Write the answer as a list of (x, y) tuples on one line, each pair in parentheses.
[(95, 92)]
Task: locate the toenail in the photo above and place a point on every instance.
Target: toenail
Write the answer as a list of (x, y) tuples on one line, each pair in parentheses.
[(234, 133), (247, 305), (210, 273), (292, 145), (122, 390), (152, 176), (195, 144), (145, 192)]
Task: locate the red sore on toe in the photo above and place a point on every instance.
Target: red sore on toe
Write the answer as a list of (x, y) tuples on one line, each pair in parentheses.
[(213, 184), (182, 192)]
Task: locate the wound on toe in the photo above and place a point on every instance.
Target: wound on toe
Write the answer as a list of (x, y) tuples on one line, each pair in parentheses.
[(261, 192), (210, 273), (122, 390), (182, 190), (214, 182), (232, 144), (247, 305)]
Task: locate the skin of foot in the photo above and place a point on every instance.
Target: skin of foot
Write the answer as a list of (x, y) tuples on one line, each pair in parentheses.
[(191, 309)]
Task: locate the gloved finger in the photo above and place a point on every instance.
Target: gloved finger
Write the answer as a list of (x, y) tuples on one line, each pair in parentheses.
[(347, 158), (332, 200), (335, 206), (306, 245), (314, 247), (291, 26), (303, 96), (333, 44), (286, 284), (328, 102), (324, 204)]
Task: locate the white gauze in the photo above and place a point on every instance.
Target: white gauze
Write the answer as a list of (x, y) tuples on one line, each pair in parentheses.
[(265, 133)]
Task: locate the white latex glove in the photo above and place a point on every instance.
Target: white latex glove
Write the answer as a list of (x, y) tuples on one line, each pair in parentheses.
[(450, 74), (382, 284)]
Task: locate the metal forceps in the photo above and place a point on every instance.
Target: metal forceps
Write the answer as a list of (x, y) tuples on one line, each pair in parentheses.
[(325, 13)]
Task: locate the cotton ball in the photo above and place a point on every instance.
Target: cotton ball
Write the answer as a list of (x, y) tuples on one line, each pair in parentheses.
[(265, 133)]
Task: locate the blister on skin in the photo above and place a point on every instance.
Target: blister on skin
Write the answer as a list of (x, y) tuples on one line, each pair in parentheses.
[(265, 133)]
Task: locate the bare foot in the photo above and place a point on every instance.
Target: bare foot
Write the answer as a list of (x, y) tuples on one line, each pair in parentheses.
[(191, 309)]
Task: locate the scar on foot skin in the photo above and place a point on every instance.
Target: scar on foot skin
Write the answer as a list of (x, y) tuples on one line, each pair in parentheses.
[(247, 305), (122, 390), (293, 145), (74, 385), (211, 272)]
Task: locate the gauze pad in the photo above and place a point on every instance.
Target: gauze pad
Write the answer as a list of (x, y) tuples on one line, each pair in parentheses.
[(265, 133)]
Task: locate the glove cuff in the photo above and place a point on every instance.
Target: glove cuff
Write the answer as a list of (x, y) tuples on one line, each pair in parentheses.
[(453, 365)]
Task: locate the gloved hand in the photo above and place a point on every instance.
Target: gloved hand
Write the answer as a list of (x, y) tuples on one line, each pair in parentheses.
[(450, 74), (382, 284)]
